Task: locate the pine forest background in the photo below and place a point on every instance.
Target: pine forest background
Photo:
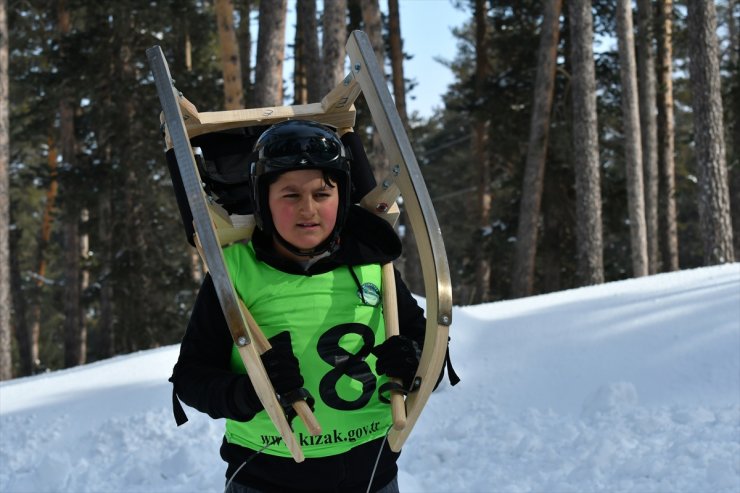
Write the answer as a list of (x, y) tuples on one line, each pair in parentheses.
[(554, 163)]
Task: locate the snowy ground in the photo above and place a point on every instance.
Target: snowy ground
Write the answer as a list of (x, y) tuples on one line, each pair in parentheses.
[(631, 386)]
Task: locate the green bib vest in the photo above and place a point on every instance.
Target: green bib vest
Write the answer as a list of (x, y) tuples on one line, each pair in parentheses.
[(332, 328)]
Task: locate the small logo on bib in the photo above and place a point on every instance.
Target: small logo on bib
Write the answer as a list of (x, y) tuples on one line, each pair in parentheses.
[(369, 294)]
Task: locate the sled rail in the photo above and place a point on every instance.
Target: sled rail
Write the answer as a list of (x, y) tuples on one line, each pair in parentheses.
[(212, 253), (405, 176)]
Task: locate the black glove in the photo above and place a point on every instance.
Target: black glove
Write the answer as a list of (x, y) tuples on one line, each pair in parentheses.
[(398, 357), (282, 368)]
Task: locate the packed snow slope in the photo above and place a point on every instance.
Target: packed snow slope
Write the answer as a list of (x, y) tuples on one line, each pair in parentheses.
[(631, 386)]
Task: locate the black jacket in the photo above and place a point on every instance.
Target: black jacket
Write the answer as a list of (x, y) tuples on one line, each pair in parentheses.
[(202, 378)]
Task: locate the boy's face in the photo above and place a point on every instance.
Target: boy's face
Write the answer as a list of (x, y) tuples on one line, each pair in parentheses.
[(303, 208)]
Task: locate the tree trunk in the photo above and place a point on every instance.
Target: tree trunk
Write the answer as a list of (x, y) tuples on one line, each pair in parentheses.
[(20, 306), (84, 273), (311, 56), (132, 295), (648, 127), (105, 232), (553, 217), (534, 171), (182, 14), (43, 241), (244, 38), (18, 299), (75, 338), (411, 262), (633, 151), (105, 255), (396, 53), (188, 48), (229, 49), (733, 34), (268, 85), (333, 40), (666, 139), (586, 146), (306, 74), (374, 30), (6, 364), (714, 195), (480, 130), (733, 143), (300, 78)]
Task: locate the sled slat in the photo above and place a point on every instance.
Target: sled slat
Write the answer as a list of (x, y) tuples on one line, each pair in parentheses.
[(390, 315)]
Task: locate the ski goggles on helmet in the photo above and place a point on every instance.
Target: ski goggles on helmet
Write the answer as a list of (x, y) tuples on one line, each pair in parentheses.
[(302, 151)]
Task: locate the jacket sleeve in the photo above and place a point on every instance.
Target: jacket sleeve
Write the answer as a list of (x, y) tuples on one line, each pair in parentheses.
[(202, 377)]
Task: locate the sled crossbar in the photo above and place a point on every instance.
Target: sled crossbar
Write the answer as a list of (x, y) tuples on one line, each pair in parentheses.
[(335, 109)]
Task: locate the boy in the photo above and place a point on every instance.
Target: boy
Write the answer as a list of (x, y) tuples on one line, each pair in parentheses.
[(311, 277)]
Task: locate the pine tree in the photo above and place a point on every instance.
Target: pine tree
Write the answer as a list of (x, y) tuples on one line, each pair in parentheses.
[(6, 369), (585, 145), (268, 83), (648, 127), (75, 336), (230, 60), (633, 150), (714, 198), (534, 173), (480, 130), (334, 37), (666, 138)]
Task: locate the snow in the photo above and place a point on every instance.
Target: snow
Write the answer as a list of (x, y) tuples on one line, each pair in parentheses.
[(631, 386)]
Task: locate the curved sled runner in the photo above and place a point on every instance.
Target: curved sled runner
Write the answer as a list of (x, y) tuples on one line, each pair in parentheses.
[(211, 224)]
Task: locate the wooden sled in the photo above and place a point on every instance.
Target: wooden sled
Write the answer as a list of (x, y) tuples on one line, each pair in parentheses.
[(215, 227)]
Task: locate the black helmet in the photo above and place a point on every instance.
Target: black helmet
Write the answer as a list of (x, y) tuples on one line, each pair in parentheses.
[(296, 145)]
